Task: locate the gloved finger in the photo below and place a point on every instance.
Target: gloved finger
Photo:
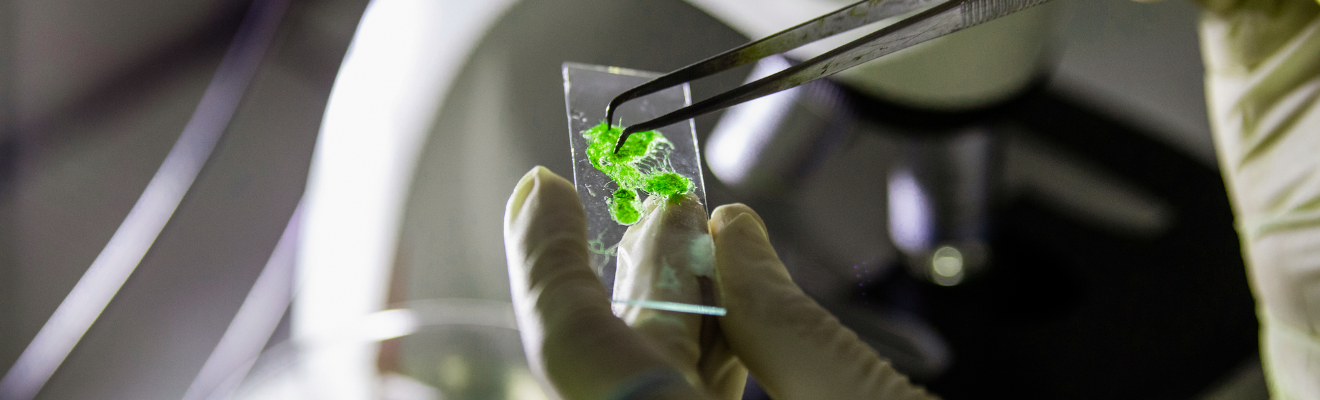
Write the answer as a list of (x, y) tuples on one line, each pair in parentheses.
[(793, 347), (571, 337), (654, 265), (668, 257)]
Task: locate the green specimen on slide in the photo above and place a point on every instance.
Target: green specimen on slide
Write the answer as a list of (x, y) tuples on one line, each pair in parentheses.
[(624, 206), (642, 163)]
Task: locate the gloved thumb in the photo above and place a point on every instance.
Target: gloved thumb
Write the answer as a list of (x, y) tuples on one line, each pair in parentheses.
[(792, 345), (668, 257), (571, 337)]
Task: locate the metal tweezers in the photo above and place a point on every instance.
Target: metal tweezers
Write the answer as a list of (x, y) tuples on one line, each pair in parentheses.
[(944, 17)]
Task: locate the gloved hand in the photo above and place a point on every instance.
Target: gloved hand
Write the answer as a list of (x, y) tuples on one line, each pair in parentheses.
[(1262, 62), (575, 343)]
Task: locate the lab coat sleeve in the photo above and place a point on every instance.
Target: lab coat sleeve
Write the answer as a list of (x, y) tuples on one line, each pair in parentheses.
[(1262, 62)]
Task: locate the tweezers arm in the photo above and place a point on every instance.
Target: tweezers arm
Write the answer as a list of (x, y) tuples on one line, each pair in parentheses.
[(940, 20), (842, 20)]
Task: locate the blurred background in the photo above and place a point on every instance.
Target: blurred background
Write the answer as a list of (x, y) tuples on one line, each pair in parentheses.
[(291, 199)]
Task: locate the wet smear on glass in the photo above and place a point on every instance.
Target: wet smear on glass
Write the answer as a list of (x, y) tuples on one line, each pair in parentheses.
[(641, 164), (665, 162)]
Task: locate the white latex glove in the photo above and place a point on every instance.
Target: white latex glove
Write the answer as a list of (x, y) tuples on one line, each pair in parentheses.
[(1262, 62), (576, 344)]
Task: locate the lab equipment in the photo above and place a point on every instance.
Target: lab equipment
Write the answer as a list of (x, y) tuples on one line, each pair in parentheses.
[(665, 163), (938, 20), (771, 146)]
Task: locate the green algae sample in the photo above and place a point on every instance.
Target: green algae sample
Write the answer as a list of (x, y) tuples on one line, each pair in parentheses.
[(624, 206), (642, 163), (668, 183)]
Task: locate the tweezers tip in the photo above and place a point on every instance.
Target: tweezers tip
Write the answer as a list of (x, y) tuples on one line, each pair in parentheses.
[(623, 138)]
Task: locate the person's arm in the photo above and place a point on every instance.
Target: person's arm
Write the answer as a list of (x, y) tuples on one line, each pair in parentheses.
[(1262, 61)]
